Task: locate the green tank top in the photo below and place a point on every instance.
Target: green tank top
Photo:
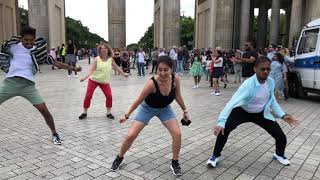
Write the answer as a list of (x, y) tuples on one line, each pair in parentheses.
[(102, 74)]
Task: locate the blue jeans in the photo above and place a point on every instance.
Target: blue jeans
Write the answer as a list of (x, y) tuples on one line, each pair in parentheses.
[(179, 66), (141, 69)]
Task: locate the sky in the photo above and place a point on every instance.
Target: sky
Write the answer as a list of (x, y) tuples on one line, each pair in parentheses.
[(94, 15)]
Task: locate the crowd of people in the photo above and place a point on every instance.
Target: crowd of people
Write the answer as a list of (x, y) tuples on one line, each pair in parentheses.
[(263, 78)]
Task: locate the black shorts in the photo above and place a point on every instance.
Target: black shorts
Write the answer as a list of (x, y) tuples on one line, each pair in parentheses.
[(217, 72)]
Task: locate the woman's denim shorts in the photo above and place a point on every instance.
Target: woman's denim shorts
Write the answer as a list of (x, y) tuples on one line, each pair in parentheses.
[(146, 112)]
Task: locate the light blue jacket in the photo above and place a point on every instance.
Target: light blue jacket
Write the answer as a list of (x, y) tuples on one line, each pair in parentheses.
[(245, 93)]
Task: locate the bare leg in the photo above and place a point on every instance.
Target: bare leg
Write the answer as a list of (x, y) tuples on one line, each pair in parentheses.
[(195, 80), (174, 129), (42, 108), (133, 132)]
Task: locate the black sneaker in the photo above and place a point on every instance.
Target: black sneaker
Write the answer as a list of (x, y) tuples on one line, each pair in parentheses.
[(110, 116), (56, 139), (116, 163), (176, 169), (83, 116)]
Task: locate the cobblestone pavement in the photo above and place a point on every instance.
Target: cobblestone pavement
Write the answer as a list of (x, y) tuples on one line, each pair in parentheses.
[(89, 146)]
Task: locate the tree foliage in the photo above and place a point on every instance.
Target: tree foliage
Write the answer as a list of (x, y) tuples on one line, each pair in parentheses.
[(80, 34), (187, 26), (146, 41)]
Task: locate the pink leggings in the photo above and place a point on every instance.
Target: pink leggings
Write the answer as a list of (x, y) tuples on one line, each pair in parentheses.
[(92, 85)]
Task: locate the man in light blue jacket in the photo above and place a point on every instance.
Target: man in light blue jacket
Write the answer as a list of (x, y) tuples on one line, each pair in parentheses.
[(253, 102)]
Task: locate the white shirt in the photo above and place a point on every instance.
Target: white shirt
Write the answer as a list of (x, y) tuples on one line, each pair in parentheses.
[(21, 63), (141, 57), (257, 103), (162, 54), (219, 64), (173, 54)]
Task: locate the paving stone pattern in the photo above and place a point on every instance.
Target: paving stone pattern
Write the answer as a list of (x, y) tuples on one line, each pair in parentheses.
[(89, 146)]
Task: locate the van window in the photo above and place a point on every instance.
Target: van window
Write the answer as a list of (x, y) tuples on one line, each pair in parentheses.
[(308, 41)]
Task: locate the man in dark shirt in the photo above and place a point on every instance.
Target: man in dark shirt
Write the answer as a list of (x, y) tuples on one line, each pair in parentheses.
[(248, 59)]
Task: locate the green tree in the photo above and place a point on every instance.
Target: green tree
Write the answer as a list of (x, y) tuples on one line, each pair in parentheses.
[(132, 47), (146, 41), (187, 26), (80, 34), (24, 17), (187, 29)]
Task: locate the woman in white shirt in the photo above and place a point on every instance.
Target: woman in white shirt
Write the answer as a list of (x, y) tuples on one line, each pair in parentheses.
[(217, 61)]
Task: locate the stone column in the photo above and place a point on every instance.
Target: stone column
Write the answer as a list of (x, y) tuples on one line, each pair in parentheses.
[(245, 19), (275, 22), (171, 23), (285, 39), (38, 17), (8, 18), (262, 24), (224, 23), (117, 23), (48, 18), (296, 20), (213, 19)]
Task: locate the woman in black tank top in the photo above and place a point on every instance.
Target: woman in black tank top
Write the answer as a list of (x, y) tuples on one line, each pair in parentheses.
[(155, 100)]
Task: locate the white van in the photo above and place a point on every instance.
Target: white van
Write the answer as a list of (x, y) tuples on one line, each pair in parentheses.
[(304, 77)]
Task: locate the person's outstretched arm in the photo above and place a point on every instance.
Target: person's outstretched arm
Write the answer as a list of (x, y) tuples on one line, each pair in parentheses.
[(179, 99)]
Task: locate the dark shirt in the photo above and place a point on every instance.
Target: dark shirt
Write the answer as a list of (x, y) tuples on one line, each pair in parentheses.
[(70, 49), (247, 68), (157, 100), (208, 54)]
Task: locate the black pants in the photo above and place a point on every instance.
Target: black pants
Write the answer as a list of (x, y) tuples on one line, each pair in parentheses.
[(239, 116), (154, 66)]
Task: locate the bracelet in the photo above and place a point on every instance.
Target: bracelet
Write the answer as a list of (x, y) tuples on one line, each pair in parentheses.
[(125, 115), (185, 111), (284, 115)]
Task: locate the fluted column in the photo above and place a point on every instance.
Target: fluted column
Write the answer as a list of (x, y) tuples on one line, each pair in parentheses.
[(296, 20), (245, 19), (262, 24), (117, 23), (275, 22)]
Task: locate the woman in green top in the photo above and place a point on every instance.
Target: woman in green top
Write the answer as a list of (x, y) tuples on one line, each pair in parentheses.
[(100, 74)]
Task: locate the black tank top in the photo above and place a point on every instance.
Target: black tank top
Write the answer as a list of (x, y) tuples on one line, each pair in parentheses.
[(157, 100)]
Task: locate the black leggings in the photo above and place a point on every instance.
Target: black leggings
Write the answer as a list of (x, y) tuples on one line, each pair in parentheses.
[(239, 116)]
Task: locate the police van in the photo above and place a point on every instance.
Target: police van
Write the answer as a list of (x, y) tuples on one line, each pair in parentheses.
[(304, 77)]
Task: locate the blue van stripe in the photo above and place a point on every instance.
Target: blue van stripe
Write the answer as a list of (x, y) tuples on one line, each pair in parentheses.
[(306, 62)]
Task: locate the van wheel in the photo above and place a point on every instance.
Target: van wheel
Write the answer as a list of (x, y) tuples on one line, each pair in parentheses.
[(295, 89)]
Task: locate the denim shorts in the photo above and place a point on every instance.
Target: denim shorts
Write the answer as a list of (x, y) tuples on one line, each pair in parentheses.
[(146, 112)]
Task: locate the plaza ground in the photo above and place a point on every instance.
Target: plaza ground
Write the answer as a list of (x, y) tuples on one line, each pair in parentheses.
[(89, 146)]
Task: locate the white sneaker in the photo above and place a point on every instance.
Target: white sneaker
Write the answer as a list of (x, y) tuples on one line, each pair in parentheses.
[(217, 94), (76, 76), (283, 160), (194, 87), (69, 76), (213, 161), (198, 86), (213, 93)]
